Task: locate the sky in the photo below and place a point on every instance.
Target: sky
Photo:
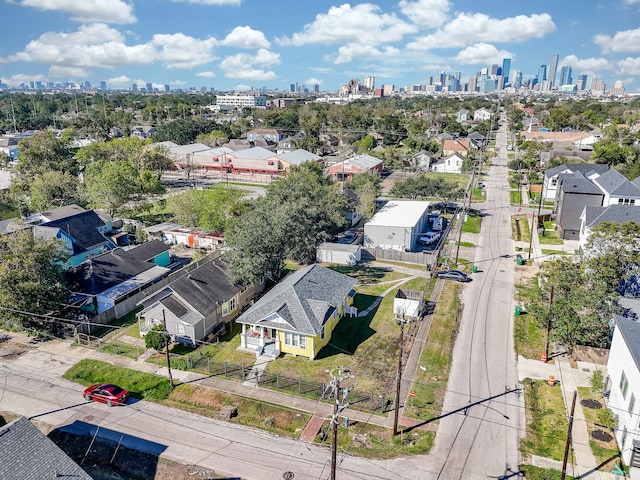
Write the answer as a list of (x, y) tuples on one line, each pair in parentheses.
[(250, 44)]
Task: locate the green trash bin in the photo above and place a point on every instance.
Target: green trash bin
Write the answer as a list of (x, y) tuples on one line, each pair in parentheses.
[(474, 269), (518, 310), (519, 260)]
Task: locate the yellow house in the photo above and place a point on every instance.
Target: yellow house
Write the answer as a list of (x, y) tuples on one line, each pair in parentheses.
[(298, 315)]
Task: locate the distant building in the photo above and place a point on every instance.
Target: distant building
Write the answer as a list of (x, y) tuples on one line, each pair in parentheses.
[(241, 101)]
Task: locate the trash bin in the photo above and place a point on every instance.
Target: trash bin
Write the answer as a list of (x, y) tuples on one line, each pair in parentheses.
[(518, 309), (519, 259), (474, 269)]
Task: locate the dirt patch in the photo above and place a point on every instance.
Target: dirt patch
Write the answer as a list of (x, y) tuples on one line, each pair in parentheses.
[(602, 436), (11, 350), (591, 403)]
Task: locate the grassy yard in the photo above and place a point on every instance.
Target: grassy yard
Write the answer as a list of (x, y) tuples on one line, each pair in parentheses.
[(520, 228), (546, 420), (606, 452), (472, 224), (515, 197), (189, 397), (529, 339), (477, 194), (430, 384), (550, 236), (536, 473), (466, 244)]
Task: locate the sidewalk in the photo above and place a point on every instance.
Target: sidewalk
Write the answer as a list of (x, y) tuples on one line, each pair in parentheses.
[(568, 379)]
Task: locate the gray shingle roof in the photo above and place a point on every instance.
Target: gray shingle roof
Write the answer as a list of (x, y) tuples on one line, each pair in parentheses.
[(612, 213), (147, 251), (27, 454), (584, 168), (83, 228), (630, 330), (576, 183), (304, 299), (616, 184)]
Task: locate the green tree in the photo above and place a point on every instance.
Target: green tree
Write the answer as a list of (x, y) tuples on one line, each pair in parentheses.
[(366, 187), (54, 189), (31, 278), (156, 338), (424, 187)]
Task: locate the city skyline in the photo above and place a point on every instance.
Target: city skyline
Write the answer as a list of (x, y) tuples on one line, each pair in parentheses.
[(243, 44)]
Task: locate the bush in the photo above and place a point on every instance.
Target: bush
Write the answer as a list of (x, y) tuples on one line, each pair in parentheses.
[(156, 338), (597, 381), (607, 418)]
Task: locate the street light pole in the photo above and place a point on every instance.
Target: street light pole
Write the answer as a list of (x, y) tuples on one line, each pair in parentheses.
[(166, 333)]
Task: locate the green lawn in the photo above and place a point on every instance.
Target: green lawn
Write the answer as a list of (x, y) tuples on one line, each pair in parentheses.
[(515, 197), (472, 224), (520, 229), (529, 339), (546, 420)]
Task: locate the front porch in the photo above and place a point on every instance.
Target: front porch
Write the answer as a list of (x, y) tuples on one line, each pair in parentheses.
[(262, 340)]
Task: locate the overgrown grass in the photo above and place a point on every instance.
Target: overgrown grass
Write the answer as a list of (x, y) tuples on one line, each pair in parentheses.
[(529, 339), (546, 420), (372, 441), (120, 348), (538, 473), (139, 384), (430, 384), (515, 197), (546, 251), (520, 228)]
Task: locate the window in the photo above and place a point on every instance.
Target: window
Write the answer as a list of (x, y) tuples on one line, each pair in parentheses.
[(323, 332), (232, 304), (295, 340), (624, 438), (624, 385), (632, 403), (180, 329)]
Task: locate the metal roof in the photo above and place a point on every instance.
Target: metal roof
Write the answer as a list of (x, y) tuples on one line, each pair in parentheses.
[(399, 213)]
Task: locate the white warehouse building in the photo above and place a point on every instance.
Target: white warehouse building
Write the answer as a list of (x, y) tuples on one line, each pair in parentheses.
[(397, 226)]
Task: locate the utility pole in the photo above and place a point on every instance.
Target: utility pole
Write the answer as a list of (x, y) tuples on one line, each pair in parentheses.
[(546, 347), (336, 378), (566, 447), (464, 207), (534, 224), (396, 412), (166, 347)]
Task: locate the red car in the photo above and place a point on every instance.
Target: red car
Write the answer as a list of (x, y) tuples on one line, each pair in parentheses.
[(106, 393)]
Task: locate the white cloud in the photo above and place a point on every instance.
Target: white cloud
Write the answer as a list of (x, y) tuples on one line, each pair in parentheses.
[(482, 53), (242, 88), (246, 37), (313, 81), (100, 46), (362, 24), (182, 51), (19, 78), (60, 71), (624, 41), (354, 50), (206, 74), (108, 11), (586, 64), (632, 2), (213, 2), (478, 27), (629, 66), (426, 13), (119, 82), (243, 65)]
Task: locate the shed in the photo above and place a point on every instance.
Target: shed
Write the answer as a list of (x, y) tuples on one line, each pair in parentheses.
[(407, 304), (397, 225), (340, 253)]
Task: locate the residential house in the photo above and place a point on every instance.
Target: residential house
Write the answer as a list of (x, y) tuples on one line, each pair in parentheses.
[(451, 164), (143, 131), (106, 281), (198, 306), (28, 454), (397, 225), (422, 160), (477, 139), (617, 189), (575, 192), (462, 115), (285, 145), (481, 114), (270, 134), (85, 233), (550, 182), (362, 163), (299, 314), (623, 386), (459, 146), (593, 216), (9, 146)]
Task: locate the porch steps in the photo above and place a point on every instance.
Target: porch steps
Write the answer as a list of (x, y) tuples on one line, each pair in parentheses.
[(312, 428)]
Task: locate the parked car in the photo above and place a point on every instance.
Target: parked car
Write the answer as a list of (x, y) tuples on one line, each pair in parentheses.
[(106, 393), (437, 224), (456, 275), (429, 238)]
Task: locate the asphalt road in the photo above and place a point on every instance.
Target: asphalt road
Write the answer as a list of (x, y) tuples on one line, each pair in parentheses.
[(482, 416)]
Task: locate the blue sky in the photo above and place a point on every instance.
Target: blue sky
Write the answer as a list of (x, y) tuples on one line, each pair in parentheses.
[(242, 44)]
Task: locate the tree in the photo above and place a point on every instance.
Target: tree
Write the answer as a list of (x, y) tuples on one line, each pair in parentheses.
[(31, 277), (424, 187), (111, 184), (156, 338), (366, 187), (54, 189)]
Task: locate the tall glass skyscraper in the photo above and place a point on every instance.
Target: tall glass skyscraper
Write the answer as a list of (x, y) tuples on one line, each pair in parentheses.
[(553, 69), (506, 69)]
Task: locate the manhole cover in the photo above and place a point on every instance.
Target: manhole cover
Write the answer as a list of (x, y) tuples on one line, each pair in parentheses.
[(590, 403), (288, 475), (602, 435)]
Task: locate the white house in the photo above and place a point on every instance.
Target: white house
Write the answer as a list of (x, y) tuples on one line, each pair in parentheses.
[(550, 182), (593, 216), (451, 164), (617, 189), (462, 115), (623, 381), (481, 114)]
